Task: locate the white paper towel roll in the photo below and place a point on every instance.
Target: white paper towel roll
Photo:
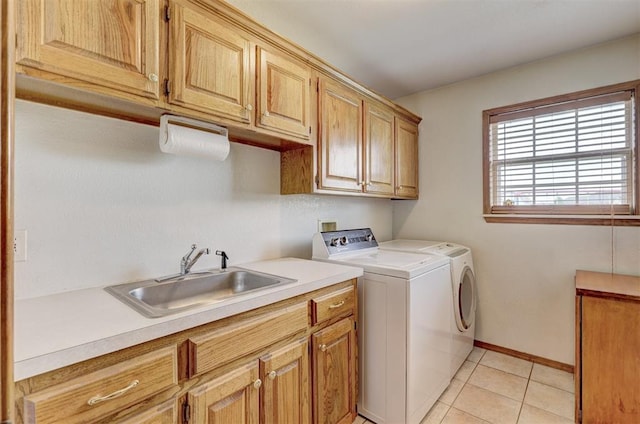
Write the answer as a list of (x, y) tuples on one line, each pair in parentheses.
[(180, 140)]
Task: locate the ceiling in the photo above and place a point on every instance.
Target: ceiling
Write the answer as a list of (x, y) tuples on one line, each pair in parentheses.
[(400, 47)]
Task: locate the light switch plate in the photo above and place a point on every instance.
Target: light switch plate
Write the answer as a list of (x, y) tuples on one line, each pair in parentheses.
[(20, 246)]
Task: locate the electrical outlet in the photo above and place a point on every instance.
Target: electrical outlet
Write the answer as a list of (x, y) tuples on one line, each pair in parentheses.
[(327, 225), (20, 246)]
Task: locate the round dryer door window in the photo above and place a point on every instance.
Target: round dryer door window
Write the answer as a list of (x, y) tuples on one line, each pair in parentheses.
[(466, 299)]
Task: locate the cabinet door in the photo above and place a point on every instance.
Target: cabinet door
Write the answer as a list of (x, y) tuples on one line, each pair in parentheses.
[(340, 140), (378, 149), (334, 373), (285, 373), (406, 159), (109, 43), (283, 94), (231, 398), (610, 364), (209, 65)]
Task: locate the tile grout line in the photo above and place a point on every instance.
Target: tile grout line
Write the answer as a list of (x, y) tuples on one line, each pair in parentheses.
[(525, 394)]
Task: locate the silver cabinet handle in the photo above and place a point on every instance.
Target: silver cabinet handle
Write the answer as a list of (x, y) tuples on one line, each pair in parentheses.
[(257, 383), (336, 305), (153, 77), (272, 375), (323, 347), (97, 399)]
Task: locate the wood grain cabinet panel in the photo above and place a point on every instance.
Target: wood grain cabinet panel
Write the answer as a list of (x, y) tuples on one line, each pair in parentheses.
[(406, 159), (209, 65), (109, 43), (96, 395), (165, 413), (340, 143), (378, 149), (231, 398), (334, 373), (217, 348), (283, 92), (286, 385), (339, 303), (607, 370)]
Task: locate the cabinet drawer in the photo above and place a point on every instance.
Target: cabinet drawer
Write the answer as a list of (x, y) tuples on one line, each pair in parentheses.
[(211, 350), (335, 304), (90, 397)]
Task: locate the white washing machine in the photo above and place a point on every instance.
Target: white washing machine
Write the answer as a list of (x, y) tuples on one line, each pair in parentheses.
[(404, 313), (463, 285)]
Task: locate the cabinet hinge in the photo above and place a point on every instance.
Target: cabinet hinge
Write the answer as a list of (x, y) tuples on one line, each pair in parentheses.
[(167, 87), (355, 325), (186, 413), (309, 129), (167, 13), (317, 181), (318, 87)]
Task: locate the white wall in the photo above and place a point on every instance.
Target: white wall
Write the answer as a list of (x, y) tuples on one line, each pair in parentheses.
[(102, 205), (524, 272)]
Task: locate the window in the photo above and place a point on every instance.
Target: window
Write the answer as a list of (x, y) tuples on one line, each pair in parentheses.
[(565, 159)]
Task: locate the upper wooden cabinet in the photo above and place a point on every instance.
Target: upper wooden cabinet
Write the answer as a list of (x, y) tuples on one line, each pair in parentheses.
[(340, 113), (378, 149), (364, 147), (406, 159), (139, 59), (103, 44), (284, 95), (209, 65)]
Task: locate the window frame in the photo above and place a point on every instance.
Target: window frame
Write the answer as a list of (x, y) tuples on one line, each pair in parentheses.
[(572, 214)]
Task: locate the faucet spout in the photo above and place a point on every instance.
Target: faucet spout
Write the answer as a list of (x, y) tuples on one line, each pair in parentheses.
[(192, 262)]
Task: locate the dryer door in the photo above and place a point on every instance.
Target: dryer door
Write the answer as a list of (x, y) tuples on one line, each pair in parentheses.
[(466, 307)]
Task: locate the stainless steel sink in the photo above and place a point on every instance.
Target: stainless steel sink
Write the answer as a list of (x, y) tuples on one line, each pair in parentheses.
[(153, 299)]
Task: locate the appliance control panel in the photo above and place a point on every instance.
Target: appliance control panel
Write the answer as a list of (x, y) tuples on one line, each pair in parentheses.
[(347, 240)]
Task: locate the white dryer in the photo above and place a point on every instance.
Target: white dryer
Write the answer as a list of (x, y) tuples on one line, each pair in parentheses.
[(463, 285)]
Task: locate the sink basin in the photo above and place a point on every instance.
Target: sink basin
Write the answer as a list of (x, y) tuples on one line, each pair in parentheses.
[(153, 299)]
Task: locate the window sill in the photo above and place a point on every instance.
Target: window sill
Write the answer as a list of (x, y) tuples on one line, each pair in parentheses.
[(605, 220)]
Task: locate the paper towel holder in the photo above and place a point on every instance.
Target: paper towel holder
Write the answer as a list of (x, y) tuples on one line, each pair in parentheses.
[(190, 123)]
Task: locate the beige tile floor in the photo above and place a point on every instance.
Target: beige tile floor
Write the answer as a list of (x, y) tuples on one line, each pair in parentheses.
[(494, 388)]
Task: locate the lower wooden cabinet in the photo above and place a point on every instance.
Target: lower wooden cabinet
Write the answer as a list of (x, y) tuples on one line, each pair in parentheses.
[(292, 362), (334, 373), (231, 398), (286, 385), (607, 346)]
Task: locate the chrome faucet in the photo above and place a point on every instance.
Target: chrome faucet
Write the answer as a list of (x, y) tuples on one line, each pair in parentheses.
[(186, 263)]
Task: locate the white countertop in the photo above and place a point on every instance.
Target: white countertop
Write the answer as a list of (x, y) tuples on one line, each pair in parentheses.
[(58, 330)]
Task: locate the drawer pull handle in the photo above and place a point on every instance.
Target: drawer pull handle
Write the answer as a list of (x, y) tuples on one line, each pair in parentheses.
[(97, 399), (257, 383), (323, 347), (272, 375), (336, 305)]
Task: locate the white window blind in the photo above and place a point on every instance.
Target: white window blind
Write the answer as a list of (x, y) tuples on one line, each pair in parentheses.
[(574, 157)]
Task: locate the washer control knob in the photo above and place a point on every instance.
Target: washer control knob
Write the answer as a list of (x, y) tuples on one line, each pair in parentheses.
[(335, 242), (369, 238), (344, 240)]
